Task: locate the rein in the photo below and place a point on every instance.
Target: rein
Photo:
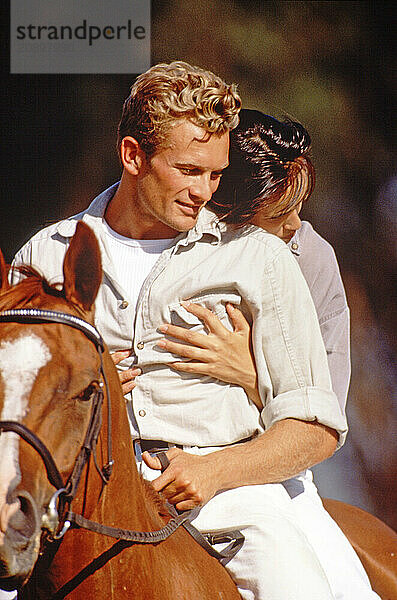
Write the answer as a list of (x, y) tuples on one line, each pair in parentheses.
[(66, 492)]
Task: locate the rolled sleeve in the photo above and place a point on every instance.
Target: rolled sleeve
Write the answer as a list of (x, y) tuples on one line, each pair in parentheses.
[(307, 404), (293, 374)]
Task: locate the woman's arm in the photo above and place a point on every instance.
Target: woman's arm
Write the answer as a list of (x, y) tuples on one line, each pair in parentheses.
[(222, 354), (319, 265)]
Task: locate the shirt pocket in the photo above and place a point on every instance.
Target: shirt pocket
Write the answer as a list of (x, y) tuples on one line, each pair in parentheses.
[(216, 303)]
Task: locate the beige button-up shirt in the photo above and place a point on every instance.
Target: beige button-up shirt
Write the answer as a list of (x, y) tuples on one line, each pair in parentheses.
[(211, 265)]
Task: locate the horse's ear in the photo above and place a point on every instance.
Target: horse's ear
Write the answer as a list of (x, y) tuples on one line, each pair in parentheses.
[(4, 285), (82, 270)]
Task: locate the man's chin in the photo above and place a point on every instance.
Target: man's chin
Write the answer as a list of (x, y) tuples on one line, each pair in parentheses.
[(184, 223), (175, 224)]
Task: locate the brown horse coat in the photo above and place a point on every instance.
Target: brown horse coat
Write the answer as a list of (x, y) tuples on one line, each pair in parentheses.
[(374, 542)]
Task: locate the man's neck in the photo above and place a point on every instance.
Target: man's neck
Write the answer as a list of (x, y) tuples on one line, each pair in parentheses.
[(122, 216)]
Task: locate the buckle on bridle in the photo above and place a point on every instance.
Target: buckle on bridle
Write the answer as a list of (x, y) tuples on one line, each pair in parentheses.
[(50, 519)]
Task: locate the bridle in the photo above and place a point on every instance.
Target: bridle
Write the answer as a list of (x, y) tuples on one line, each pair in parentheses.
[(65, 492)]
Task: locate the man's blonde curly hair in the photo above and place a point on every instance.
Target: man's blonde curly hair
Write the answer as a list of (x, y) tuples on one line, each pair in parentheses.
[(168, 92)]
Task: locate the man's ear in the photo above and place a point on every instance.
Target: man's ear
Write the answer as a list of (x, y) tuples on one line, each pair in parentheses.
[(132, 155)]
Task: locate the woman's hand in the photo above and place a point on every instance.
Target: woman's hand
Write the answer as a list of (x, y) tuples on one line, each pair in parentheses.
[(127, 378), (221, 354)]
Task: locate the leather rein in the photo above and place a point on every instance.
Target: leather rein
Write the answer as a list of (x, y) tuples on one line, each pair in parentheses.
[(65, 493)]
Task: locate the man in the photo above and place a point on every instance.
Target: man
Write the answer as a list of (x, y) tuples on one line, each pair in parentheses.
[(161, 246)]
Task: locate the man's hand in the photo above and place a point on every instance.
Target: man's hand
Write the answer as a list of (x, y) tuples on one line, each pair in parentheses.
[(288, 447), (188, 481), (127, 378)]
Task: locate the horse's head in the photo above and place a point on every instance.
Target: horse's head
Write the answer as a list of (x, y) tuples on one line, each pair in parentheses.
[(48, 375)]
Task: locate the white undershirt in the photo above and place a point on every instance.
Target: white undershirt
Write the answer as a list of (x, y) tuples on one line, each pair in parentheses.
[(133, 260)]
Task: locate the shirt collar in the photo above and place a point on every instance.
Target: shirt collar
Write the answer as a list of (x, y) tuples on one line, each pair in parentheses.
[(92, 216), (207, 224)]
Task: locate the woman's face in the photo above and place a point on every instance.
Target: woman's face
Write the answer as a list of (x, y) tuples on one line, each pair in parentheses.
[(283, 227)]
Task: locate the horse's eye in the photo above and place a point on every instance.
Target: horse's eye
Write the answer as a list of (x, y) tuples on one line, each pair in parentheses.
[(88, 393)]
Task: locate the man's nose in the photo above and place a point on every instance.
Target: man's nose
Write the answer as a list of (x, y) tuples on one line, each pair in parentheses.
[(293, 223), (203, 188)]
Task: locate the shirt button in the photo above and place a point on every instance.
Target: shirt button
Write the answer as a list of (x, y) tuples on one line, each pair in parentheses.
[(142, 412), (294, 246), (124, 304), (140, 345)]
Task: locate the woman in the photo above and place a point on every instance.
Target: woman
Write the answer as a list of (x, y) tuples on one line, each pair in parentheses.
[(269, 177)]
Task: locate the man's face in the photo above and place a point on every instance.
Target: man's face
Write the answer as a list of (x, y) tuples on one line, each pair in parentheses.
[(178, 180)]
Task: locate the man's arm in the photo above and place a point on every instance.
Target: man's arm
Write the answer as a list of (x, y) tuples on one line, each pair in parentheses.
[(287, 448)]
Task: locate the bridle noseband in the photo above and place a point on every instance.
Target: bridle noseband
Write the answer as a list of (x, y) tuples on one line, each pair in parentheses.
[(65, 491)]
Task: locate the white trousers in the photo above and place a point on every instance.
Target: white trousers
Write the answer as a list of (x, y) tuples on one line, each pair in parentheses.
[(345, 573), (293, 550)]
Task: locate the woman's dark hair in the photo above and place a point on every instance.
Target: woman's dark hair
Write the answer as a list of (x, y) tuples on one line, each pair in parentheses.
[(269, 167)]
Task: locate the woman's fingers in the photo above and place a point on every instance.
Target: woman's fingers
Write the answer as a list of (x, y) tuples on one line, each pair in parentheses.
[(209, 319), (193, 367), (120, 355), (191, 352), (129, 374), (240, 323), (221, 354), (127, 379), (185, 335)]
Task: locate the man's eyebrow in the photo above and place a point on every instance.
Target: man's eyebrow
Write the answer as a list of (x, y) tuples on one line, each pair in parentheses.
[(189, 165), (199, 167)]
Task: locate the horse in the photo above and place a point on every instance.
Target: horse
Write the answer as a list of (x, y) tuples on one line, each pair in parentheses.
[(374, 542), (64, 426)]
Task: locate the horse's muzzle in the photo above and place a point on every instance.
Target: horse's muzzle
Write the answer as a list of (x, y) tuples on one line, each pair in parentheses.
[(19, 550)]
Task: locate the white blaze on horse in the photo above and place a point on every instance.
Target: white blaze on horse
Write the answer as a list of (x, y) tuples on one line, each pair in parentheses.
[(63, 424), (20, 361)]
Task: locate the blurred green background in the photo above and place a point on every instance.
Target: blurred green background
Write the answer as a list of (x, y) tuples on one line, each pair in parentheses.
[(330, 65)]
